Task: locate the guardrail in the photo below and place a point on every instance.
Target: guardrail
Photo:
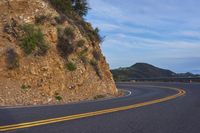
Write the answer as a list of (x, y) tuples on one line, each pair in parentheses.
[(167, 79)]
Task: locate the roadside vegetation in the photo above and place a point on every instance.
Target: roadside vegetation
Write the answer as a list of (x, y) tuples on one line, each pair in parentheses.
[(65, 43), (71, 66), (25, 87), (41, 19), (79, 7), (99, 97), (81, 43), (96, 67), (32, 40), (58, 97), (12, 59)]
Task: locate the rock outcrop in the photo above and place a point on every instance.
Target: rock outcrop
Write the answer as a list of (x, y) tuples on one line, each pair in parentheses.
[(69, 67)]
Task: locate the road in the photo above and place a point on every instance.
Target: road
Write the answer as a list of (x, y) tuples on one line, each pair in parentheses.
[(151, 108)]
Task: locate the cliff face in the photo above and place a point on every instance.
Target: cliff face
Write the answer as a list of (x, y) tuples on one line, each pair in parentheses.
[(47, 57)]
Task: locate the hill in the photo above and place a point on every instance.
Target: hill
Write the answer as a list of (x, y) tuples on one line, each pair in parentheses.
[(49, 54), (144, 70)]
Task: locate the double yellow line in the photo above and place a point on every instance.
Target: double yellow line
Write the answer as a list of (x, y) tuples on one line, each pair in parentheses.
[(95, 113)]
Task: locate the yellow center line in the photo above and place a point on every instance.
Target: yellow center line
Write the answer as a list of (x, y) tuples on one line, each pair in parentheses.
[(95, 113)]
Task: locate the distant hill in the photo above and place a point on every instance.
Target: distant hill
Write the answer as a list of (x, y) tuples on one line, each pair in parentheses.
[(144, 70)]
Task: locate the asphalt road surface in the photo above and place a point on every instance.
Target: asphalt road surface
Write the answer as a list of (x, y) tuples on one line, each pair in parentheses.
[(149, 109)]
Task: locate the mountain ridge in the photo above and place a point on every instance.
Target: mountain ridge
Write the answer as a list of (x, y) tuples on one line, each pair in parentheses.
[(145, 70)]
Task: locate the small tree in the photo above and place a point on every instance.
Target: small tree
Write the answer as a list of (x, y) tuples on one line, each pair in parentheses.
[(80, 7), (99, 37), (64, 6)]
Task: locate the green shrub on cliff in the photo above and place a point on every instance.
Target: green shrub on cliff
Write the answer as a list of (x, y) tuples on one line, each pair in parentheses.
[(65, 43), (96, 67), (12, 59), (80, 7), (71, 66), (64, 6), (58, 97), (33, 41)]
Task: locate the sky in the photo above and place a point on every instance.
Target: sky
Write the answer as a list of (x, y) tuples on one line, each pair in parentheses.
[(165, 33)]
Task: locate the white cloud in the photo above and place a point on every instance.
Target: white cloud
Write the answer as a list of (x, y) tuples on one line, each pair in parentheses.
[(146, 29)]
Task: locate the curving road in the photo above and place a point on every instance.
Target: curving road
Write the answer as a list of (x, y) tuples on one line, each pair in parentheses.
[(151, 108)]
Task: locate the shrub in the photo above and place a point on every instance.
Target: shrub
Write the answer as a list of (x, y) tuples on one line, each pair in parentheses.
[(60, 19), (96, 55), (99, 97), (94, 34), (12, 59), (84, 51), (33, 40), (98, 36), (83, 27), (69, 32), (93, 62), (83, 59), (58, 97), (11, 28), (96, 67), (41, 19), (65, 47), (81, 43), (65, 41), (88, 31), (71, 66), (83, 56), (64, 6), (80, 7), (25, 87)]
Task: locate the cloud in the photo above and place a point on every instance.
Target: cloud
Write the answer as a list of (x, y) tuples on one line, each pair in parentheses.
[(147, 29)]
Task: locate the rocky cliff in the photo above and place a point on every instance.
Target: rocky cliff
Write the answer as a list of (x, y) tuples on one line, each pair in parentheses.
[(49, 57)]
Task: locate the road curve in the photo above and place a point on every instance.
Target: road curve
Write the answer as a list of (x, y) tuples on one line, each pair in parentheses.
[(109, 115)]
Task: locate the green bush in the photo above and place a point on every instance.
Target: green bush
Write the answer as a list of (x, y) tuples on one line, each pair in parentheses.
[(65, 41), (94, 34), (82, 56), (99, 97), (60, 19), (93, 62), (65, 47), (71, 66), (33, 40), (96, 67), (58, 97), (80, 7), (87, 30), (84, 59), (25, 87), (81, 43), (98, 36), (84, 51), (12, 59), (41, 19), (69, 32), (64, 6)]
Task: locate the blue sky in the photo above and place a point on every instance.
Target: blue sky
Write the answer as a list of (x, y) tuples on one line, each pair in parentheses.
[(165, 33)]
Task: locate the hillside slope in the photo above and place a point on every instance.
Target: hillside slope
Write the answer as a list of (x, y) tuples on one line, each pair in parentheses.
[(48, 56), (141, 70)]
